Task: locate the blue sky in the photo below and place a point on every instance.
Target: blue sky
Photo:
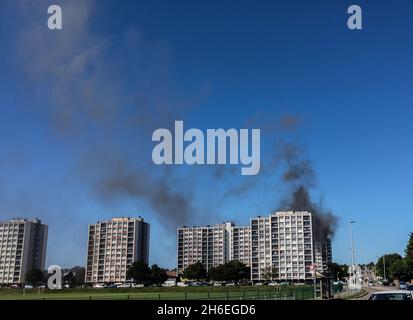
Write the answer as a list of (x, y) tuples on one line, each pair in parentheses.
[(73, 102)]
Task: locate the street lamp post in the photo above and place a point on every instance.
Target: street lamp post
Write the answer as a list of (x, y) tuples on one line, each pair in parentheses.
[(353, 260), (384, 267)]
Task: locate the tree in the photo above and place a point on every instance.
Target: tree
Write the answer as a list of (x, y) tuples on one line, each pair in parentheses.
[(338, 271), (79, 278), (75, 277), (34, 276), (139, 272), (69, 279), (390, 259), (409, 257), (270, 273), (230, 271), (398, 270), (236, 270), (216, 274), (195, 271), (157, 275)]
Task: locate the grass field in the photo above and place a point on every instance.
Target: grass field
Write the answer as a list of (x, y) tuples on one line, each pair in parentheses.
[(188, 293)]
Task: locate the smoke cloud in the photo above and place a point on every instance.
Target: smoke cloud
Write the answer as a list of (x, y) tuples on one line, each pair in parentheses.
[(301, 178), (104, 102)]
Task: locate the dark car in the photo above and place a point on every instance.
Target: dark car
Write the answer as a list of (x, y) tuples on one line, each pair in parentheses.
[(385, 283)]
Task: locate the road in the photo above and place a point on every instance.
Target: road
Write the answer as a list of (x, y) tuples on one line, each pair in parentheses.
[(371, 290)]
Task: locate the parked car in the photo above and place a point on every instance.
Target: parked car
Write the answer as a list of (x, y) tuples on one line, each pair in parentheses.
[(137, 285), (28, 286), (182, 284), (385, 283), (258, 284), (409, 287), (402, 285), (217, 284), (245, 283), (98, 285), (170, 282), (273, 284), (391, 295)]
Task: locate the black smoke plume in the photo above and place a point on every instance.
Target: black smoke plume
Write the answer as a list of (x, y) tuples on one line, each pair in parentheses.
[(301, 178)]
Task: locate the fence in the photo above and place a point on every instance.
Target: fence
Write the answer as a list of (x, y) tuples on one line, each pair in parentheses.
[(203, 293), (233, 293)]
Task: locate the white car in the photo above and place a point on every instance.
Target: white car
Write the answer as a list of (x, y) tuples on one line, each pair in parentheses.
[(391, 295), (273, 284), (258, 284), (28, 286), (98, 285)]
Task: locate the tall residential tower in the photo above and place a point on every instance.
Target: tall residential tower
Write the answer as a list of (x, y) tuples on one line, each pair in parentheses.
[(283, 247), (23, 245), (113, 246), (213, 245)]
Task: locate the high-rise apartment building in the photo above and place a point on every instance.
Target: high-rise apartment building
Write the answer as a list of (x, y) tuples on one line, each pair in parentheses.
[(113, 246), (276, 247), (283, 247), (261, 260), (322, 255), (23, 245), (213, 245), (208, 245), (240, 245)]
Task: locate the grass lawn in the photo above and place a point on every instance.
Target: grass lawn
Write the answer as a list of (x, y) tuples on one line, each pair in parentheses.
[(188, 293)]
